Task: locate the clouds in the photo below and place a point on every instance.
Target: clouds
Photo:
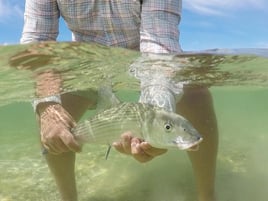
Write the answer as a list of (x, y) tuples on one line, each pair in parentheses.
[(224, 24), (11, 21), (10, 9), (219, 7)]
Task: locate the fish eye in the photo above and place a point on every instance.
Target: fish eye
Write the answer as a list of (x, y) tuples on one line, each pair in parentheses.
[(168, 126)]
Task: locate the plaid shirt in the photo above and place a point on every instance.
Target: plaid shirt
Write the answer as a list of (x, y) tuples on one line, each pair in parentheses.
[(149, 27)]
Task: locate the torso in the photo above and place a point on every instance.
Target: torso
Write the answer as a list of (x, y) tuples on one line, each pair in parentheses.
[(113, 23)]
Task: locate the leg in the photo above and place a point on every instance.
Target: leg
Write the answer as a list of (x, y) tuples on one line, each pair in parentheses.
[(62, 166), (196, 105)]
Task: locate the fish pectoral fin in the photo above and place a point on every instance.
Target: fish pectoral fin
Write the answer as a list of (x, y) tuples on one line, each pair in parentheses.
[(106, 98), (108, 151)]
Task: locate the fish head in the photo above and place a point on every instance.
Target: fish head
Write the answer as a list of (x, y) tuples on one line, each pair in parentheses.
[(168, 129)]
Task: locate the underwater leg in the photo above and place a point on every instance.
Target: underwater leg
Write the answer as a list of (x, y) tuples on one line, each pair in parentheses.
[(62, 168), (197, 106)]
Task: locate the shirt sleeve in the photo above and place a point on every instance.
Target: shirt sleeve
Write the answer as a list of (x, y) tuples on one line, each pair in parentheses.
[(41, 21), (159, 32)]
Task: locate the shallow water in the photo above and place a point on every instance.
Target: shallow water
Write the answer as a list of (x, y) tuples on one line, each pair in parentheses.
[(241, 109)]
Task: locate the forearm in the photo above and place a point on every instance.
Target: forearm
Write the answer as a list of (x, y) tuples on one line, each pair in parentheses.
[(48, 83), (41, 24), (48, 90), (159, 31)]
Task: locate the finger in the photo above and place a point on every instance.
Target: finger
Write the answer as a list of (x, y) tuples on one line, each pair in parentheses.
[(148, 149), (45, 149), (48, 149), (55, 147), (69, 141), (59, 146), (119, 147), (138, 153), (124, 145), (63, 142), (126, 142)]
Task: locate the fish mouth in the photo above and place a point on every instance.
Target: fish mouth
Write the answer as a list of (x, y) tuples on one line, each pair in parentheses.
[(194, 146)]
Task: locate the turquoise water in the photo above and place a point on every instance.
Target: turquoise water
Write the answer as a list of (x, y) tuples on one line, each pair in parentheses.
[(241, 170), (242, 113)]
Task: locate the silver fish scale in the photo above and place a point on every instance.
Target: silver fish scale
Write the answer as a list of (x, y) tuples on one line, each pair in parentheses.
[(107, 126), (129, 111)]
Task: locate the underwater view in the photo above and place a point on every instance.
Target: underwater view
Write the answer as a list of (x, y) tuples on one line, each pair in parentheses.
[(237, 80)]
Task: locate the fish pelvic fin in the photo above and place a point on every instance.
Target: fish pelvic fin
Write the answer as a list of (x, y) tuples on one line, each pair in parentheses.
[(108, 151)]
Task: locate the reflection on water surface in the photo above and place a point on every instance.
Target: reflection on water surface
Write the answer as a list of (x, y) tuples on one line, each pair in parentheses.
[(85, 66)]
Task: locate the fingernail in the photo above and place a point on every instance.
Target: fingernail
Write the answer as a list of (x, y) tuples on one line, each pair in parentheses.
[(115, 144), (44, 151), (133, 144), (126, 138)]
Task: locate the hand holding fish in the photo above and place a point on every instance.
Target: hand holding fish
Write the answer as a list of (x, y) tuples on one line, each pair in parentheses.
[(55, 125), (140, 150), (154, 125)]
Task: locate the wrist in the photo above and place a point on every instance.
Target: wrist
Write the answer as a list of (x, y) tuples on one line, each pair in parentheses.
[(40, 104)]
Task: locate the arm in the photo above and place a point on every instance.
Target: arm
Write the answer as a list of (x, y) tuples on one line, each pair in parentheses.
[(159, 33), (41, 21), (54, 120)]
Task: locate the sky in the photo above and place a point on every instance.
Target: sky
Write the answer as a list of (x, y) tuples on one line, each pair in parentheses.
[(205, 24)]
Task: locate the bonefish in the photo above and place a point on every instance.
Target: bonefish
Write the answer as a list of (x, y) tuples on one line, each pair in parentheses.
[(158, 127)]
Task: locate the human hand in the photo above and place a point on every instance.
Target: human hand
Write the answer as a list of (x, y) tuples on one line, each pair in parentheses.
[(140, 150), (55, 126)]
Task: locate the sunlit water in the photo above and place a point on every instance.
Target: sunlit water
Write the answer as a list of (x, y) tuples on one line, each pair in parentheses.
[(239, 89)]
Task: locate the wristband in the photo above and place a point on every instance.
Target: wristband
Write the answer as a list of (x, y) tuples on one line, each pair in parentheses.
[(53, 98)]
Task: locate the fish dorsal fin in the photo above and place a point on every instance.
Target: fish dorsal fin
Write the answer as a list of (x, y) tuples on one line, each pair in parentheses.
[(106, 98)]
